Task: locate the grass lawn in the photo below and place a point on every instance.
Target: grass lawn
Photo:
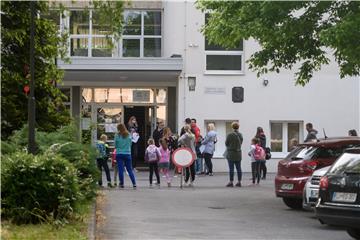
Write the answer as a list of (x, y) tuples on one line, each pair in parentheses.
[(74, 230)]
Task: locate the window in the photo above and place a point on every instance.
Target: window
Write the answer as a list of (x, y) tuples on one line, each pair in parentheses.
[(87, 37), (90, 38), (142, 34), (222, 60), (284, 135)]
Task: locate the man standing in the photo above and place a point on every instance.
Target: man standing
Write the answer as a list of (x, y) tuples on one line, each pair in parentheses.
[(311, 136), (196, 130), (158, 133)]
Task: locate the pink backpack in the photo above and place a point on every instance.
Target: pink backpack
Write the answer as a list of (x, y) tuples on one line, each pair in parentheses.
[(259, 153)]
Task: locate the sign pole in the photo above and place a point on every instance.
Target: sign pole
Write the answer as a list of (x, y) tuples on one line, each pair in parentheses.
[(181, 178)]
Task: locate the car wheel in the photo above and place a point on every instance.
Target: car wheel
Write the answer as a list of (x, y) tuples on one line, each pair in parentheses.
[(354, 232), (293, 203)]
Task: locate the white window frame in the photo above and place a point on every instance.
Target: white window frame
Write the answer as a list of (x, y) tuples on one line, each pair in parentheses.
[(89, 36), (285, 137), (142, 36), (225, 72)]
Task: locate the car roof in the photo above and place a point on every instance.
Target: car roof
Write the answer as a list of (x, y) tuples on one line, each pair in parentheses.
[(333, 142)]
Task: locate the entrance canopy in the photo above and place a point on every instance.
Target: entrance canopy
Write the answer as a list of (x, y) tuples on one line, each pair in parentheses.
[(119, 71)]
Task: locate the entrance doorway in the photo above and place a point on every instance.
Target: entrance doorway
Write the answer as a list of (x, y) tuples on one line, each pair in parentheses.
[(146, 121)]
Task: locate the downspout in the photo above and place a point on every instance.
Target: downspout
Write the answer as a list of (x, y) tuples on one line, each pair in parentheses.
[(184, 61)]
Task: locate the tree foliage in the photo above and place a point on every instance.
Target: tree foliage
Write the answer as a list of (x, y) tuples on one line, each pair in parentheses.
[(49, 45), (289, 33)]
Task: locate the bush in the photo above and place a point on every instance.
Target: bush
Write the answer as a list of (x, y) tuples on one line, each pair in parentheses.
[(37, 188), (65, 142), (84, 159)]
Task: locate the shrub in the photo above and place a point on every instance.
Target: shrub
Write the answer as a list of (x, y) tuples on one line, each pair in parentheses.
[(37, 188), (84, 159)]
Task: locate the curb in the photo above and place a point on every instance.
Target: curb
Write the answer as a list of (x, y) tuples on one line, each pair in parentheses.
[(92, 223)]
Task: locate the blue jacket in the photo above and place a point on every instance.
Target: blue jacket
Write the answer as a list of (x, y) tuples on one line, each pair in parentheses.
[(209, 142)]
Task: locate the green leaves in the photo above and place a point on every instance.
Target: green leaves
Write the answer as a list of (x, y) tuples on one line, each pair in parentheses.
[(293, 32)]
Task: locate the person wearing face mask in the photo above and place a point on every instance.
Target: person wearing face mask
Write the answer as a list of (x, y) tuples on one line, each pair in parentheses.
[(133, 129), (158, 133)]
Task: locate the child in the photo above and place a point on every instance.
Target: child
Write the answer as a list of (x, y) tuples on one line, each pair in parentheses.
[(255, 164), (152, 156), (164, 163), (101, 160)]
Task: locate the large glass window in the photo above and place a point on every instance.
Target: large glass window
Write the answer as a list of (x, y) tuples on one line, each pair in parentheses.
[(90, 35), (284, 135), (223, 60), (142, 34)]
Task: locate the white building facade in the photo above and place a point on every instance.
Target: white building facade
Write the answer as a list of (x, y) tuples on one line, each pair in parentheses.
[(162, 69)]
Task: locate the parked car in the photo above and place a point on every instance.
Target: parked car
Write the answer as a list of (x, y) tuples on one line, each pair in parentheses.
[(295, 169), (311, 189), (339, 195)]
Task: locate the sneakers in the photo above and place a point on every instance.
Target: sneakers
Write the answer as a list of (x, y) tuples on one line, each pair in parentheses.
[(238, 184), (230, 184), (115, 184), (169, 184), (191, 184), (121, 186), (211, 174), (110, 185), (134, 187)]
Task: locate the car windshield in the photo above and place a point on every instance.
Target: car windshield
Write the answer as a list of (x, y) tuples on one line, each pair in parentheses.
[(302, 152), (347, 163)]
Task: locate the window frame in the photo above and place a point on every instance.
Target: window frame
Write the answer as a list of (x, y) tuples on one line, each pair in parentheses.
[(240, 53), (142, 36), (285, 139)]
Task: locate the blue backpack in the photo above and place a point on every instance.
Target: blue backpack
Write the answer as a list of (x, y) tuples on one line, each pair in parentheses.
[(101, 150)]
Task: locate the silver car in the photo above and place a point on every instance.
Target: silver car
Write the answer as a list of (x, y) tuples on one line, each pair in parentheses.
[(311, 188)]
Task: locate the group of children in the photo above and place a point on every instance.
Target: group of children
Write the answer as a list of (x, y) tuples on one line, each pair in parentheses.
[(158, 159)]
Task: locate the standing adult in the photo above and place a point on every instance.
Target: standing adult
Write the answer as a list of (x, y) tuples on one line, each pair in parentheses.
[(133, 129), (209, 142), (311, 136), (188, 140), (123, 154), (233, 154), (158, 133), (199, 161), (187, 122), (262, 142)]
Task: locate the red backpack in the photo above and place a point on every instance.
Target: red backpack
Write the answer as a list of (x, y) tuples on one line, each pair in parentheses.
[(259, 153)]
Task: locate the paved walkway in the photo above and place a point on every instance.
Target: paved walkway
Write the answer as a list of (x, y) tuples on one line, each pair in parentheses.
[(207, 211)]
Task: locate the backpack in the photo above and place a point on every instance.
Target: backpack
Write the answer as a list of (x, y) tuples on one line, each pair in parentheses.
[(101, 150), (153, 154), (259, 153), (267, 153)]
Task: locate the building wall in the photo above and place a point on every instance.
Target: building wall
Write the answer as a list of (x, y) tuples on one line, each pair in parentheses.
[(327, 101)]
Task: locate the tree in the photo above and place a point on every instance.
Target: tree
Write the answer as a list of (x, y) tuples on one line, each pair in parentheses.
[(49, 44), (290, 32)]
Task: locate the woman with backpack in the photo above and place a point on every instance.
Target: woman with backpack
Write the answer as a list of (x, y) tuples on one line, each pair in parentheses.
[(188, 140), (262, 142), (153, 156), (123, 154)]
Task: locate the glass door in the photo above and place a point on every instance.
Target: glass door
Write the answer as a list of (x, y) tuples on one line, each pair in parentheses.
[(107, 118)]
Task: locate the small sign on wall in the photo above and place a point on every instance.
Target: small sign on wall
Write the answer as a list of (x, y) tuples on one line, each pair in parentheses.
[(141, 95), (215, 90)]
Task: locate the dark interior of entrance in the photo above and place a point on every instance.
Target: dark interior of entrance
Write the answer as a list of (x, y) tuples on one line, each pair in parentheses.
[(144, 122)]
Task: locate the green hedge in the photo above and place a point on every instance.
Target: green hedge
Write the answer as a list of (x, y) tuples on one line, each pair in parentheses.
[(34, 187), (37, 188)]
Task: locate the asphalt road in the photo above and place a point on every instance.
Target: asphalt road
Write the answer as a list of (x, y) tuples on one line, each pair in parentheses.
[(207, 211)]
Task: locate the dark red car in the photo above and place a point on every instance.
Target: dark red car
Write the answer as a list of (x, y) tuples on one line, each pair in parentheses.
[(295, 169)]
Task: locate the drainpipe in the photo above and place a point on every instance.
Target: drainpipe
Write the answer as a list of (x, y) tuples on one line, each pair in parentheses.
[(184, 61)]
